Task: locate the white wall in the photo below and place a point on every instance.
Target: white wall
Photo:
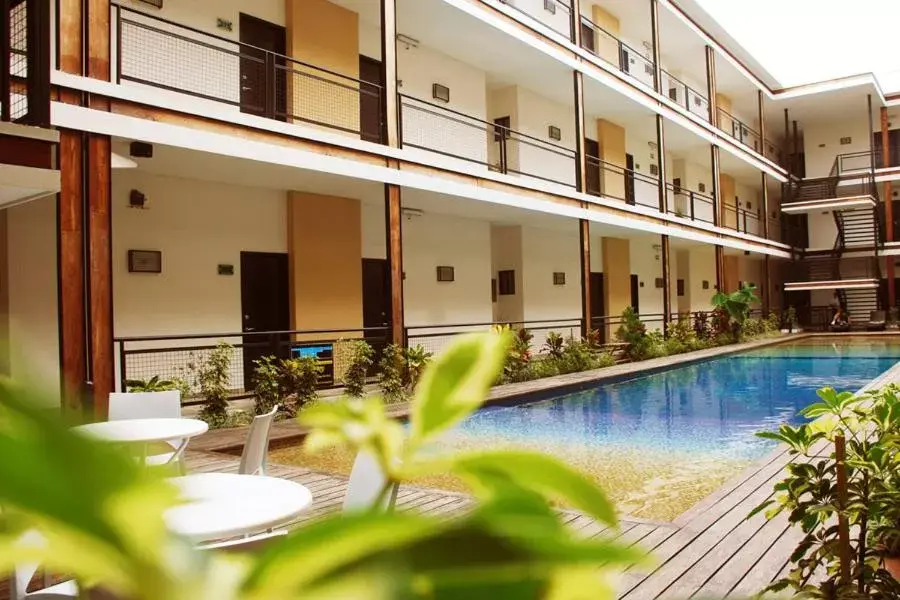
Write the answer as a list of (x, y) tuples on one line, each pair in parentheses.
[(541, 156), (32, 288), (749, 199), (822, 230), (545, 252), (822, 141), (645, 155), (702, 268), (197, 226), (645, 265), (427, 125), (558, 19), (433, 240), (374, 243)]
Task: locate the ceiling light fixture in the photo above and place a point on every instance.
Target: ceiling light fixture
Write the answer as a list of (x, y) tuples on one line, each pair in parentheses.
[(117, 161), (407, 41)]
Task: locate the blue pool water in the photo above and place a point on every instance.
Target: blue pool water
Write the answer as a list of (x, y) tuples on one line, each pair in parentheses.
[(657, 442)]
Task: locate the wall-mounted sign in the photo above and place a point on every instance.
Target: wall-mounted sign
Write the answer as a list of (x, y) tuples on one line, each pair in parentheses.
[(445, 274), (144, 261), (226, 269), (224, 24), (559, 278), (846, 140)]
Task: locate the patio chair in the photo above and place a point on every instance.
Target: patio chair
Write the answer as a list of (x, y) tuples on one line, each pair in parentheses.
[(877, 321), (24, 572), (247, 544), (366, 483), (256, 448), (151, 405)]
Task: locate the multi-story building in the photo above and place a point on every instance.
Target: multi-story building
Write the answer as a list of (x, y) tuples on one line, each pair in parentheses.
[(287, 173)]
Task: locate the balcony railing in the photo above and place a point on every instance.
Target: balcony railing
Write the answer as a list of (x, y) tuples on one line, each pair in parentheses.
[(25, 62), (689, 204), (165, 55), (605, 45), (555, 14), (739, 130), (434, 338), (742, 220), (614, 181), (498, 148), (685, 95), (815, 268)]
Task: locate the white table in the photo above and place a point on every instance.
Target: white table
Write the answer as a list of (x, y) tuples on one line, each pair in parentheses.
[(223, 505), (148, 431)]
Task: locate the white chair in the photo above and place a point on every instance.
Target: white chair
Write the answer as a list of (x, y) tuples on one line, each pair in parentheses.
[(256, 448), (367, 481), (151, 405), (246, 544), (24, 572)]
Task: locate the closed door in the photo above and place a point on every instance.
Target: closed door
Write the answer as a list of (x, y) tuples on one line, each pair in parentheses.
[(376, 295), (629, 179), (635, 294), (262, 66), (265, 306), (598, 306), (370, 88)]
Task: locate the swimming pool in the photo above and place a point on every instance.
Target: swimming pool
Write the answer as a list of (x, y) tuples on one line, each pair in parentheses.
[(659, 443)]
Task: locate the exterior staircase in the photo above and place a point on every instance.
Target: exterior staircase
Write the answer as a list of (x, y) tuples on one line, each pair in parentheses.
[(859, 303)]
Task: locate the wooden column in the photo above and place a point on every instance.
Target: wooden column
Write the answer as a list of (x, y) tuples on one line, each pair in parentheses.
[(654, 34), (70, 266), (667, 288), (716, 184), (711, 87), (888, 199), (584, 245), (100, 319), (765, 205), (391, 117), (766, 286), (661, 162), (394, 235), (720, 269)]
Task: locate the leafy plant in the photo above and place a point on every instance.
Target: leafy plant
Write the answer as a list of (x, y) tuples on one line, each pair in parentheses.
[(846, 502), (212, 376), (154, 384), (577, 356), (511, 545), (416, 359), (299, 381), (736, 305), (790, 318), (392, 374), (554, 344), (362, 355), (721, 330), (751, 328), (266, 384), (702, 329), (773, 322), (516, 366), (634, 333)]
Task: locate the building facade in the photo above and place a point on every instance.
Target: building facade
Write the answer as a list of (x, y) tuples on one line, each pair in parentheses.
[(287, 174)]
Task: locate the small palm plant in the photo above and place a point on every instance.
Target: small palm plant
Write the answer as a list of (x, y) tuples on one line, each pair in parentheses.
[(736, 305)]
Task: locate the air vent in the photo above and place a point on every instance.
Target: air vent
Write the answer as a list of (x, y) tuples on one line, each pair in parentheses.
[(697, 101), (648, 69), (550, 6)]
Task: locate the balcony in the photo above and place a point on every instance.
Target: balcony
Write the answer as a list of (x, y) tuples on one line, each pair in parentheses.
[(555, 14), (850, 185), (685, 96), (153, 52), (828, 272), (606, 46)]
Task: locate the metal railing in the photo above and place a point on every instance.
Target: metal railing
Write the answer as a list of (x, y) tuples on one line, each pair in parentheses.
[(25, 62), (739, 130), (851, 175), (741, 219), (555, 14), (684, 95), (854, 163), (452, 133), (689, 204), (434, 338), (828, 267), (614, 181), (166, 55), (176, 357), (608, 47)]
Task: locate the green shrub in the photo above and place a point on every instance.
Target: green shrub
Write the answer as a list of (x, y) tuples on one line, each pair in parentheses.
[(360, 362), (401, 369), (300, 382), (415, 359), (655, 345), (576, 357), (554, 345), (212, 377), (702, 329), (752, 328), (633, 333), (267, 384), (773, 322), (154, 384), (544, 367)]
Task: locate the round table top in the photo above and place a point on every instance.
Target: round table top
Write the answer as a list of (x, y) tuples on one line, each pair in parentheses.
[(223, 505), (144, 430)]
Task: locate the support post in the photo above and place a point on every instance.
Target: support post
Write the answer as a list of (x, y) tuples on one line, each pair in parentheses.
[(796, 144), (761, 101), (661, 161), (711, 87), (38, 61), (575, 22), (766, 286), (100, 302), (654, 33), (716, 184), (765, 205), (888, 199), (720, 269), (391, 106), (871, 134), (584, 244), (580, 157), (667, 288), (394, 239)]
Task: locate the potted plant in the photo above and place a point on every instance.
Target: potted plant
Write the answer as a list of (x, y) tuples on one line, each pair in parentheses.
[(790, 320)]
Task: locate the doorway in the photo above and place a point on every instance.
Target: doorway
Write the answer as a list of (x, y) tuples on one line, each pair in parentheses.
[(376, 286), (265, 306), (263, 83), (370, 98), (598, 305), (629, 179), (635, 294)]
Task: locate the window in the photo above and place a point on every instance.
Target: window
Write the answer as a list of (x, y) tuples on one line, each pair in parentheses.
[(680, 287), (506, 282), (501, 128)]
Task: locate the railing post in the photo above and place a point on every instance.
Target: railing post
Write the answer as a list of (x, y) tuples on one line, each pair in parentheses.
[(123, 369), (270, 84), (693, 210)]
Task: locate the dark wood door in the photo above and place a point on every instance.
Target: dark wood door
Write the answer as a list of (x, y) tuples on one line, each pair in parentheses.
[(265, 307), (263, 74), (376, 295), (635, 294), (370, 76), (587, 37), (592, 166), (598, 306), (629, 179)]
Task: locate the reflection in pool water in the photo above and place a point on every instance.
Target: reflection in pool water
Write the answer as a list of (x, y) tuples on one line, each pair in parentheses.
[(661, 442)]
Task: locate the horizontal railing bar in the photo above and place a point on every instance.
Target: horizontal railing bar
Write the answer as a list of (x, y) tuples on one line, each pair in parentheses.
[(196, 336)]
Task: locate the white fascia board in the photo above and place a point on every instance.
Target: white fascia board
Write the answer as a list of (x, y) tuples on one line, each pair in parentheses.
[(835, 284), (94, 121)]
